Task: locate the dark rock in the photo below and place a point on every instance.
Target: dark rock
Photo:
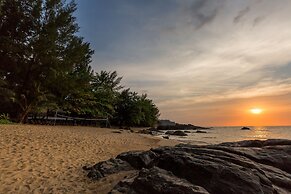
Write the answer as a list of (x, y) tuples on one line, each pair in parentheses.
[(148, 132), (169, 132), (138, 159), (95, 175), (110, 166), (180, 127), (124, 186), (245, 128), (152, 129), (252, 167), (166, 137), (86, 168), (156, 181), (213, 173), (199, 131), (187, 131), (177, 133), (257, 143)]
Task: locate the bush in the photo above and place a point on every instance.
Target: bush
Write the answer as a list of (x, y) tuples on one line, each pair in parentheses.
[(4, 119)]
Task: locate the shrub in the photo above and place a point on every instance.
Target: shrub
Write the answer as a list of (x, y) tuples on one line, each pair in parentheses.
[(4, 119)]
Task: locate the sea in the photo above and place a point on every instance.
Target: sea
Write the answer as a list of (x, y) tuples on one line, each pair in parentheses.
[(216, 135)]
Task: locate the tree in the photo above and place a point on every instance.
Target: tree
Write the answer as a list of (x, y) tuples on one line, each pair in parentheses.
[(134, 110), (75, 93), (39, 49), (45, 65), (150, 112), (105, 88)]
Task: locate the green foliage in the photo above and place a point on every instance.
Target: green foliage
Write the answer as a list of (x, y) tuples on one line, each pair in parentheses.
[(44, 66), (134, 110), (39, 49), (4, 119), (105, 88)]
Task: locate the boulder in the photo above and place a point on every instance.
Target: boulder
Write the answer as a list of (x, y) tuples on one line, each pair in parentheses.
[(155, 181), (138, 159), (169, 132), (257, 143), (199, 131), (252, 167), (148, 132), (108, 167), (245, 128), (177, 133)]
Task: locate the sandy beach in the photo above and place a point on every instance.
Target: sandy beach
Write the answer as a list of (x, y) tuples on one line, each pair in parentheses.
[(49, 159)]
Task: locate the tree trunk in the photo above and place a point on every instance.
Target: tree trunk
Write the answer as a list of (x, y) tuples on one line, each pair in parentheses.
[(23, 115)]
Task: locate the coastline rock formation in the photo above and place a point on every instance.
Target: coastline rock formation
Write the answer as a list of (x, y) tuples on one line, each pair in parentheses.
[(246, 167), (178, 126), (245, 128), (200, 131), (176, 133)]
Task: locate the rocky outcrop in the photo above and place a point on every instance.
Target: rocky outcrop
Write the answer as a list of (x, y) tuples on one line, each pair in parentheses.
[(177, 133), (150, 131), (180, 127), (108, 167), (245, 128), (200, 131), (156, 180), (246, 167)]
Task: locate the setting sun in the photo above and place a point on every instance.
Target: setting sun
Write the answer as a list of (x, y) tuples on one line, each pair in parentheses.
[(256, 111)]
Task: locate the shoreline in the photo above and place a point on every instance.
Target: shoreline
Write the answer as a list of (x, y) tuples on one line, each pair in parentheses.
[(49, 159)]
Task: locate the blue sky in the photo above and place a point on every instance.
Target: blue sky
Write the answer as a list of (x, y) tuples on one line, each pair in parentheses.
[(193, 55)]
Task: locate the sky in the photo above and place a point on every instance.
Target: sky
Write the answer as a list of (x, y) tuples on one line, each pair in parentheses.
[(203, 62)]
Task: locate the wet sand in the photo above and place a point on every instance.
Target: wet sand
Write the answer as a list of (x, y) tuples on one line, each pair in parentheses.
[(49, 159)]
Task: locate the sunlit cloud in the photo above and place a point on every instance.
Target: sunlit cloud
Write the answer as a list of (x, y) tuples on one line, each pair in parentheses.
[(274, 88), (183, 53)]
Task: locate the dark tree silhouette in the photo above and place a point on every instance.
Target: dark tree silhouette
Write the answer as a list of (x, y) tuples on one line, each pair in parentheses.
[(39, 49)]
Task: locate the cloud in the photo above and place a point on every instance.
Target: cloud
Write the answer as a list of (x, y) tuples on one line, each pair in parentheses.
[(241, 14), (258, 20), (236, 112), (202, 13), (264, 88), (188, 52)]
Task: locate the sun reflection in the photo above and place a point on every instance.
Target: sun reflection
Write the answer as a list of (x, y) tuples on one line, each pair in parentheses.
[(260, 133)]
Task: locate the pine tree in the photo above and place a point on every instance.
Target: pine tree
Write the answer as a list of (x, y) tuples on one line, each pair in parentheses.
[(39, 49), (105, 88)]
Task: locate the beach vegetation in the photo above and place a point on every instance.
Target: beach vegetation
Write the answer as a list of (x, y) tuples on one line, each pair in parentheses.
[(45, 65), (4, 119), (39, 50), (135, 110)]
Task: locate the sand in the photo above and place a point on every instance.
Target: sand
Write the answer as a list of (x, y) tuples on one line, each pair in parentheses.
[(49, 159)]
